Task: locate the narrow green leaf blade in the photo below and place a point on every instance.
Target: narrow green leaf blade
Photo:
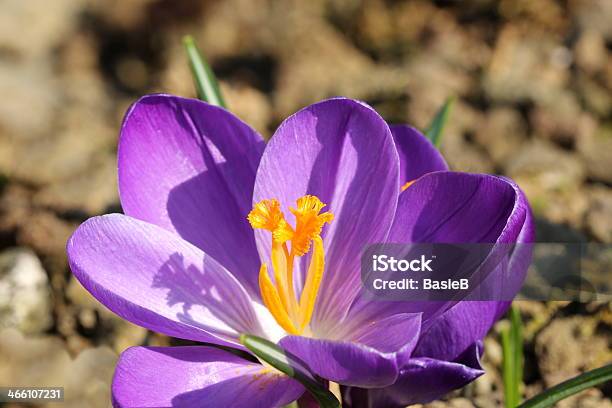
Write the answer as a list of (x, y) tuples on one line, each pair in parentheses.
[(516, 336), (277, 358), (435, 128), (512, 363), (570, 387), (204, 78), (508, 375)]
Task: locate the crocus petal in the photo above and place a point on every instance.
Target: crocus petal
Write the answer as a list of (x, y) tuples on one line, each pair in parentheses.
[(367, 356), (189, 167), (197, 376), (456, 207), (344, 362), (155, 279), (469, 321), (341, 151), (417, 155), (450, 207), (389, 335), (423, 380), (457, 329), (521, 257)]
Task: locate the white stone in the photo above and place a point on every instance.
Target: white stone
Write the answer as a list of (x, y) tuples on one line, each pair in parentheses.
[(25, 296)]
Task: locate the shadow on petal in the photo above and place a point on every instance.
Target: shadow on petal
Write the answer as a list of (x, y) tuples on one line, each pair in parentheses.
[(208, 300)]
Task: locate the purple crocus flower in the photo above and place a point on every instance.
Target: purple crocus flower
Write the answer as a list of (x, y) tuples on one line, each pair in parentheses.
[(224, 234)]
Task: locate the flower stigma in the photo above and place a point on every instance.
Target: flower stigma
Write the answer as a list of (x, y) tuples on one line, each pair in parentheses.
[(280, 296)]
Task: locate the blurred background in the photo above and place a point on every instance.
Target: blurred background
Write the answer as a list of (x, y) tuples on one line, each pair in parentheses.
[(533, 81)]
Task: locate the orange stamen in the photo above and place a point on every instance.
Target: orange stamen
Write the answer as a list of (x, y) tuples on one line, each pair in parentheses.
[(280, 297)]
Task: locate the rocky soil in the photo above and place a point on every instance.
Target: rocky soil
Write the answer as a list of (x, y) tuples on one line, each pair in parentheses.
[(533, 81)]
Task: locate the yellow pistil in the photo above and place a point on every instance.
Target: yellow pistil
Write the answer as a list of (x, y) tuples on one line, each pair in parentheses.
[(280, 297)]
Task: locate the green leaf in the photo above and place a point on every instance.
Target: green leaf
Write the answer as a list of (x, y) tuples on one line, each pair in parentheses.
[(435, 128), (512, 363), (277, 358), (570, 387), (507, 370), (204, 78), (516, 337)]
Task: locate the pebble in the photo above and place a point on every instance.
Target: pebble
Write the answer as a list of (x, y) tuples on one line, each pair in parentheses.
[(25, 297)]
